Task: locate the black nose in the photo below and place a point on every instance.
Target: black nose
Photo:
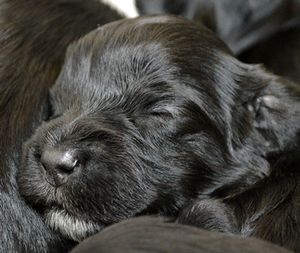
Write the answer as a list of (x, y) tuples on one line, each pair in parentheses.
[(59, 164)]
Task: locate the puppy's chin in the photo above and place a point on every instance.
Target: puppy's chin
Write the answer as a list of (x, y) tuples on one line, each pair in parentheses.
[(70, 226)]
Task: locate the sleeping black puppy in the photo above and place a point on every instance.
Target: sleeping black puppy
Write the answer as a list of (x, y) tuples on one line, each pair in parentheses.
[(154, 116)]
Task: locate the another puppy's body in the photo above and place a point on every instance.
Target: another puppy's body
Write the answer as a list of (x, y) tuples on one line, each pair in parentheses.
[(34, 36), (154, 235), (279, 53), (153, 115)]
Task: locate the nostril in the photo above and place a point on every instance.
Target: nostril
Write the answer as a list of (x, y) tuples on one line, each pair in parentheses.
[(37, 156), (67, 165), (59, 164)]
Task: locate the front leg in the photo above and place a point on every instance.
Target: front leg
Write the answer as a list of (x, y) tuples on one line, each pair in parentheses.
[(209, 214)]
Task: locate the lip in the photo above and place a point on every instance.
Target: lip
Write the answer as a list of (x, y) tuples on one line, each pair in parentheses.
[(70, 226), (50, 181), (54, 181)]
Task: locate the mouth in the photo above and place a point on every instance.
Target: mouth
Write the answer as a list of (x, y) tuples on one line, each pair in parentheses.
[(70, 226)]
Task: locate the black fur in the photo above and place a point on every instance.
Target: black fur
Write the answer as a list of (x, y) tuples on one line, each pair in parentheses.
[(34, 36), (152, 116)]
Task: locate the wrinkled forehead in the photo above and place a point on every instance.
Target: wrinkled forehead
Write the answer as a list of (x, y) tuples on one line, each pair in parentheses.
[(132, 56), (125, 77), (97, 64)]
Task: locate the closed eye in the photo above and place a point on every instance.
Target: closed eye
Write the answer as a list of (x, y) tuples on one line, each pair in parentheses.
[(162, 114), (154, 109), (151, 119), (97, 136)]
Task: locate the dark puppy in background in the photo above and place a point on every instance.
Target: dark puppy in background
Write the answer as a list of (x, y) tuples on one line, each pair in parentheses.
[(34, 36), (280, 53), (154, 235), (154, 116)]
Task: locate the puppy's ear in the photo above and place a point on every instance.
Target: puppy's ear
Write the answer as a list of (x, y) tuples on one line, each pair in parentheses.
[(265, 107), (276, 115)]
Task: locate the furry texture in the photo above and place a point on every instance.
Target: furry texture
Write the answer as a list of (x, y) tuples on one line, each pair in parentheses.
[(34, 36), (158, 117)]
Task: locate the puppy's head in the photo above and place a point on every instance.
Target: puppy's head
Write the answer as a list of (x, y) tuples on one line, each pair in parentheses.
[(146, 115)]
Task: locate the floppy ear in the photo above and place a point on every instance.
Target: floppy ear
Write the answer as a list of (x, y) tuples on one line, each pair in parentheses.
[(275, 113)]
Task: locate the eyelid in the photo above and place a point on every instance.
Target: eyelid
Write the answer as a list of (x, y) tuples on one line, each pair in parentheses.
[(161, 113), (164, 108)]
